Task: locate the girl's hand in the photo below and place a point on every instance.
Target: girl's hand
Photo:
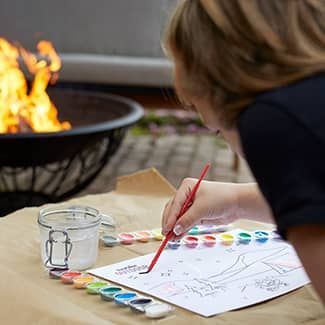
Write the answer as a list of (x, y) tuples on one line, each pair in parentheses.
[(214, 203)]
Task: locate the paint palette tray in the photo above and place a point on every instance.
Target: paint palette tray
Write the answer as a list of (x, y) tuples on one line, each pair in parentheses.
[(144, 236), (112, 293), (225, 239)]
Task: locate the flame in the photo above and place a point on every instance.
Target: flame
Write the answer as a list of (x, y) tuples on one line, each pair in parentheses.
[(23, 109)]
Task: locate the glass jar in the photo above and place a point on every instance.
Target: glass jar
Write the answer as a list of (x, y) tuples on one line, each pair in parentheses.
[(69, 236)]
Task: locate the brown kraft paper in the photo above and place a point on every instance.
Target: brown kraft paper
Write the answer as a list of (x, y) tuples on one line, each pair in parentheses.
[(28, 296)]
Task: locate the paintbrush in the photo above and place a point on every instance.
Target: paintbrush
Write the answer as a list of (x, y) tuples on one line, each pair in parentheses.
[(185, 207)]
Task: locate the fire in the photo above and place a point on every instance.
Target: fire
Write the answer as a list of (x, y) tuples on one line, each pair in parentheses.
[(23, 108)]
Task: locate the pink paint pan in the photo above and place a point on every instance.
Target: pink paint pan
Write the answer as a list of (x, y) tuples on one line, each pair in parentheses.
[(143, 236), (126, 238)]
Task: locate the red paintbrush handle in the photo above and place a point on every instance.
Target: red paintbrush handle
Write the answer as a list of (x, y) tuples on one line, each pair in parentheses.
[(190, 198), (159, 251), (185, 207)]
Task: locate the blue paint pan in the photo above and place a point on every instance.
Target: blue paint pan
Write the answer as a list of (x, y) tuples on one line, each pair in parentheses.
[(261, 236), (139, 304), (122, 299), (110, 241), (174, 244), (108, 293)]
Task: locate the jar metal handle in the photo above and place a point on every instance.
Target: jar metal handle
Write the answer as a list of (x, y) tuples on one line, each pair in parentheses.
[(108, 221), (49, 244)]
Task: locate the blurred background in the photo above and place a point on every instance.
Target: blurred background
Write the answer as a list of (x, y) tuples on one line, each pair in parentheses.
[(111, 46)]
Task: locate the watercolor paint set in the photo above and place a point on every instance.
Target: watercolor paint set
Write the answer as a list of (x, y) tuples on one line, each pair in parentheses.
[(197, 236), (225, 239), (150, 307), (144, 236)]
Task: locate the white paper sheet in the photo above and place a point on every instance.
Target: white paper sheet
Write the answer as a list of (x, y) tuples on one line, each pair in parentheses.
[(212, 280)]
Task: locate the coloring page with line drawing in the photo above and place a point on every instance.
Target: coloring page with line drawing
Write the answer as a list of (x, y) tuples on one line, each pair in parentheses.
[(212, 280)]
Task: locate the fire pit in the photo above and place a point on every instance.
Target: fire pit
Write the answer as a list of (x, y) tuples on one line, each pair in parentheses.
[(43, 159), (36, 168)]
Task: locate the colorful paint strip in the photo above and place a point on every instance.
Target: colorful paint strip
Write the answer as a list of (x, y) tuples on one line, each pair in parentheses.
[(143, 236)]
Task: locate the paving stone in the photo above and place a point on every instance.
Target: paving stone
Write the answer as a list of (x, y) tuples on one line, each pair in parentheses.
[(188, 139), (185, 150), (175, 156)]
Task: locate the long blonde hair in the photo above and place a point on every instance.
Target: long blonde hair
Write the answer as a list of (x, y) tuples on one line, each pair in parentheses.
[(233, 50)]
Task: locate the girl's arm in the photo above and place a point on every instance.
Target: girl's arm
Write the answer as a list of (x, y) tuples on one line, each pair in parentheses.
[(215, 203), (252, 205)]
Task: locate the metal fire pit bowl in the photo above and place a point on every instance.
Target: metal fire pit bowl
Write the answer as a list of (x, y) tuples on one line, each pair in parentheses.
[(37, 168)]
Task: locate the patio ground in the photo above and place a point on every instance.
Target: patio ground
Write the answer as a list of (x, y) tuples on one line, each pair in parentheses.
[(174, 156)]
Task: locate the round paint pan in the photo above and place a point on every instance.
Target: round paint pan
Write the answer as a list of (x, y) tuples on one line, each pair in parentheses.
[(194, 231), (81, 282), (157, 234), (261, 236), (227, 239), (122, 299), (207, 229), (139, 304), (67, 277), (126, 238), (143, 236), (209, 240), (94, 287), (221, 228), (191, 241), (158, 310), (244, 238), (108, 293), (174, 244), (110, 241)]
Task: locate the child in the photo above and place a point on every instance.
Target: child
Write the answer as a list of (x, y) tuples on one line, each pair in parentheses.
[(254, 71)]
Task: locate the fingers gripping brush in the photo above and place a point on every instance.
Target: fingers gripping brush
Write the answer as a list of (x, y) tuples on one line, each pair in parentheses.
[(185, 207)]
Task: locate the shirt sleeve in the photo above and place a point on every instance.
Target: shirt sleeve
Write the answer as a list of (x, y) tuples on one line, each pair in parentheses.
[(288, 162)]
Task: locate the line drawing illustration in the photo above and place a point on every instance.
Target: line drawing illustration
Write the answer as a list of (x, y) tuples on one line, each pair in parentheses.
[(209, 281), (240, 270)]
